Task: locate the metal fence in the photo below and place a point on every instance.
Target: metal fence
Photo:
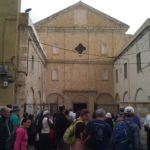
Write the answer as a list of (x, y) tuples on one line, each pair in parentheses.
[(35, 108)]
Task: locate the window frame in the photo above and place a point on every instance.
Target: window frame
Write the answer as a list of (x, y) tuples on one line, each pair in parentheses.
[(32, 63), (56, 73), (116, 72), (55, 49), (103, 75), (138, 62), (104, 46), (125, 70)]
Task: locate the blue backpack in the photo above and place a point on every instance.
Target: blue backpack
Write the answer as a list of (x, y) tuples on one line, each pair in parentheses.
[(122, 133)]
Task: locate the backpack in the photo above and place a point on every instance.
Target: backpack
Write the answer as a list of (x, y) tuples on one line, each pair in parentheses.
[(69, 135), (122, 133), (98, 133)]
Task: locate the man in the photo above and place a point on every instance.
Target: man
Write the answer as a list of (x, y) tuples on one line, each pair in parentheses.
[(127, 132), (80, 131), (61, 124), (99, 131), (147, 129), (4, 129), (129, 115), (14, 120)]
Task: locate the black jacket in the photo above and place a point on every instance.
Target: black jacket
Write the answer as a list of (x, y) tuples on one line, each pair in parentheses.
[(4, 133), (61, 124)]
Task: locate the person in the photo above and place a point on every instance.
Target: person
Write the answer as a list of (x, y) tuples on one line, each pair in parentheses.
[(127, 132), (61, 124), (80, 131), (69, 120), (31, 133), (44, 141), (21, 140), (72, 115), (147, 129), (14, 120), (4, 130), (109, 119), (136, 119), (99, 131)]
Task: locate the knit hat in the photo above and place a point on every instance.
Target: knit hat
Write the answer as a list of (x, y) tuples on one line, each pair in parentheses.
[(129, 110), (46, 112)]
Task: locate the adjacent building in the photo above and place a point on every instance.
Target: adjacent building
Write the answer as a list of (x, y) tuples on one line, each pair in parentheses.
[(9, 21), (132, 71), (80, 43), (22, 59)]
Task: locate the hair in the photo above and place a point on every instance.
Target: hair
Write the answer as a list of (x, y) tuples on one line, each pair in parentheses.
[(100, 112), (77, 114), (66, 112), (4, 109), (61, 108), (24, 120), (84, 112)]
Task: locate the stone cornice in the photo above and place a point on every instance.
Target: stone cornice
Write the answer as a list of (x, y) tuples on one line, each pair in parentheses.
[(101, 62), (74, 29), (80, 91)]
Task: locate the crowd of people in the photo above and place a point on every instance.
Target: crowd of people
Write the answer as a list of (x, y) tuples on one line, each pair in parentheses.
[(66, 130)]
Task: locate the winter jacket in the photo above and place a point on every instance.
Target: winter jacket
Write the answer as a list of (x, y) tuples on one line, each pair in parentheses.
[(4, 133), (136, 133), (61, 124), (21, 141)]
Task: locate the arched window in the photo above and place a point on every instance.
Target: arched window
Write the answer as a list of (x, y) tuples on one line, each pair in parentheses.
[(55, 75), (140, 95), (126, 96)]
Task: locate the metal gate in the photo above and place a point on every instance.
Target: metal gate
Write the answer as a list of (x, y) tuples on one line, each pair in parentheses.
[(35, 108)]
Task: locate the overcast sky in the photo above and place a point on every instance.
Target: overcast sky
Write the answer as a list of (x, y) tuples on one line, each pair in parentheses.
[(131, 12)]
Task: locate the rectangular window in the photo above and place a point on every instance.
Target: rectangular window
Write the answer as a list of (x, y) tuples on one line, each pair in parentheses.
[(104, 50), (105, 75), (138, 59), (125, 71), (116, 75), (55, 75), (55, 49), (32, 63)]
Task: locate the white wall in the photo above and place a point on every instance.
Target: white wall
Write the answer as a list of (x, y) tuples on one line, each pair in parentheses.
[(137, 86)]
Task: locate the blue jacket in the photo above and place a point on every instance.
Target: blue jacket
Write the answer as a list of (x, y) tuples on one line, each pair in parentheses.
[(136, 133)]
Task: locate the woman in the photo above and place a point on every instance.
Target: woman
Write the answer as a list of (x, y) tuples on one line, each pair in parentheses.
[(44, 142), (21, 141)]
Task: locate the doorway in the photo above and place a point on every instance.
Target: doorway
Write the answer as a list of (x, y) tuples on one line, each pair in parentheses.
[(79, 106)]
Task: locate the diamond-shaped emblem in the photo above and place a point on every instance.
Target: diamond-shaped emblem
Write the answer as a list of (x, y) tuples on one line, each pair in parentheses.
[(80, 48)]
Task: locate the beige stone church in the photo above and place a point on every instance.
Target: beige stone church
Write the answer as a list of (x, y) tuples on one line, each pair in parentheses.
[(80, 43)]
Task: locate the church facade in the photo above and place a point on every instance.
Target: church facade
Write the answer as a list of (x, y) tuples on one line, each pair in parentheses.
[(80, 43)]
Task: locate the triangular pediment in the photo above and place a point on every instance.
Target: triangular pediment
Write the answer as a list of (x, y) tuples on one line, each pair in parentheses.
[(81, 15)]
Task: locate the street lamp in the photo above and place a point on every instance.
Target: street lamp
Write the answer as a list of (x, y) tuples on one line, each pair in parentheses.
[(5, 78)]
